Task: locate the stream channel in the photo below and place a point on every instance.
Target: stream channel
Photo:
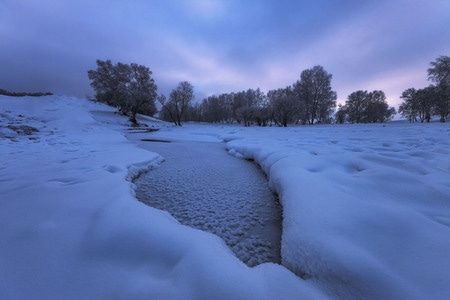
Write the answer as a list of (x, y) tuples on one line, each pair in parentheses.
[(202, 186)]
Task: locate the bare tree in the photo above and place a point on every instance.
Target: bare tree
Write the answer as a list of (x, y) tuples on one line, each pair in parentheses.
[(179, 101)]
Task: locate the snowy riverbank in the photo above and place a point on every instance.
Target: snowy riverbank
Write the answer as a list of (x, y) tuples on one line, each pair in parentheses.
[(205, 188), (366, 211), (366, 207)]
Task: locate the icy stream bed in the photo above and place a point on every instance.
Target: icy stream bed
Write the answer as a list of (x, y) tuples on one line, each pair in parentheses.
[(203, 187)]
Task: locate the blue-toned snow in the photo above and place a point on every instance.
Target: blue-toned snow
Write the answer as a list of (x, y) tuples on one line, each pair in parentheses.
[(366, 211)]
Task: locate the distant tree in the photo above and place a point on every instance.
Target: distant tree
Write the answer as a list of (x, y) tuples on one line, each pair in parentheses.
[(239, 106), (246, 105), (215, 109), (130, 88), (314, 92), (178, 103), (226, 102), (418, 104), (211, 109), (341, 114), (366, 107), (356, 105), (440, 70), (441, 105), (378, 110), (22, 94), (433, 100), (425, 99), (283, 106), (439, 73), (194, 113), (263, 114), (409, 107), (166, 113), (219, 109)]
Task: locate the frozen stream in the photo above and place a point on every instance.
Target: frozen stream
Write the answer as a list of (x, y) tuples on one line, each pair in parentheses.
[(205, 188)]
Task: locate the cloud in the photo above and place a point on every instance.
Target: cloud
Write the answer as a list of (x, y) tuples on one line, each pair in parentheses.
[(223, 46), (200, 65)]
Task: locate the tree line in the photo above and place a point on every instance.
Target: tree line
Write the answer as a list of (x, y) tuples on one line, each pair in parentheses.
[(23, 94), (309, 100)]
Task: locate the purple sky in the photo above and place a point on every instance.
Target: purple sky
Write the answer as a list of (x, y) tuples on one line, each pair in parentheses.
[(223, 45)]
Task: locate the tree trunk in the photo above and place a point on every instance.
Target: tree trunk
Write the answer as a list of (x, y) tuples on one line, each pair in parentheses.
[(132, 118)]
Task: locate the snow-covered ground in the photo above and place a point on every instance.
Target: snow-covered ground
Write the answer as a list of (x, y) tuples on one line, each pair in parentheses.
[(366, 207), (366, 211)]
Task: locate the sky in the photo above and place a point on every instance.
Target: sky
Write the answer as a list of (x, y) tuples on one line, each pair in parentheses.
[(223, 46)]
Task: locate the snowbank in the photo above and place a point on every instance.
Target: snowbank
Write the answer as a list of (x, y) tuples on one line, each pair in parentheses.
[(70, 227), (366, 207)]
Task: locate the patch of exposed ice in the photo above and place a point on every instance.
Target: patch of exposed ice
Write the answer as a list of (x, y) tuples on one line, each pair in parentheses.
[(203, 187)]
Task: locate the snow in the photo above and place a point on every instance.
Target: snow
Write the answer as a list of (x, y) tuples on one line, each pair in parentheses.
[(70, 227), (366, 208), (366, 211)]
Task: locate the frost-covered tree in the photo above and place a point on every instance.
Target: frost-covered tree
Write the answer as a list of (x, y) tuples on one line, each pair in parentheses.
[(252, 101), (355, 106), (418, 104), (314, 92), (127, 87), (409, 108), (283, 106), (378, 110), (217, 109), (366, 107), (440, 70)]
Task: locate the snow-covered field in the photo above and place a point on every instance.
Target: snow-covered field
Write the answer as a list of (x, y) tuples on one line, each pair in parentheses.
[(366, 211)]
